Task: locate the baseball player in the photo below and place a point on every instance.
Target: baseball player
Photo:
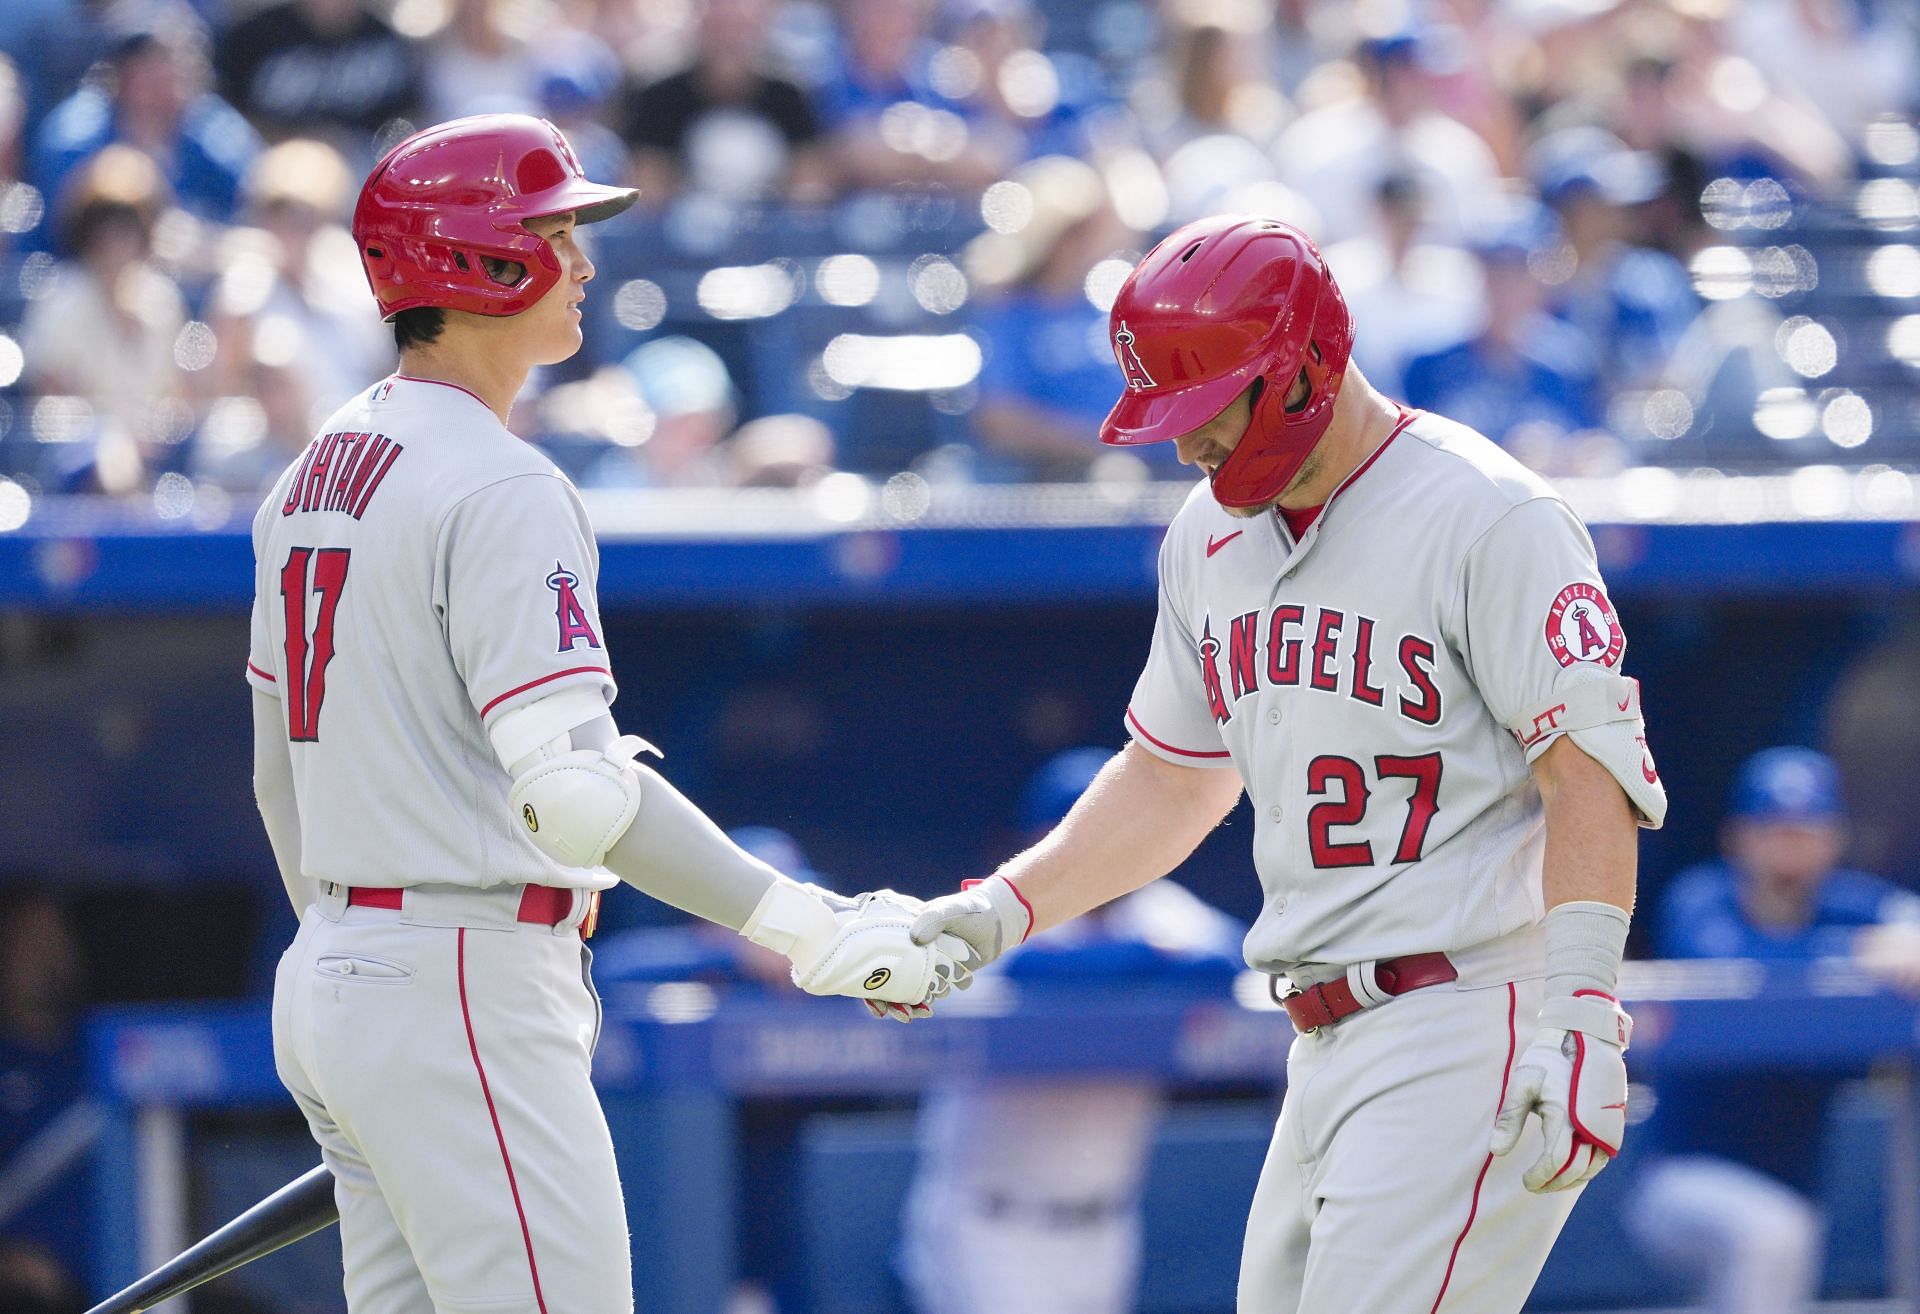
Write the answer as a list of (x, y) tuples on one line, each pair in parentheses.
[(1395, 639), (444, 788)]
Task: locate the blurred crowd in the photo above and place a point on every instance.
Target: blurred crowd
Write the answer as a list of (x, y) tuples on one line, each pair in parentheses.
[(882, 234)]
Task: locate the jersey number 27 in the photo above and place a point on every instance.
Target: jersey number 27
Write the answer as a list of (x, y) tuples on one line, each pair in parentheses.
[(307, 672)]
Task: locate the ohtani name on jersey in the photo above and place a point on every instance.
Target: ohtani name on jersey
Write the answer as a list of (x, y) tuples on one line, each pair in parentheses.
[(341, 472), (1335, 652)]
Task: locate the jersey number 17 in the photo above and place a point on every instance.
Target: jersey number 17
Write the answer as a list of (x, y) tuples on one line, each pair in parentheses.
[(307, 671)]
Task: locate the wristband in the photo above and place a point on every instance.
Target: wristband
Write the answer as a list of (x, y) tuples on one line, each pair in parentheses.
[(1585, 942)]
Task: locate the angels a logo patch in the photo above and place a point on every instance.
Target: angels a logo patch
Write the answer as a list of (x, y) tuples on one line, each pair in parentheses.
[(1130, 363), (1581, 627), (572, 617)]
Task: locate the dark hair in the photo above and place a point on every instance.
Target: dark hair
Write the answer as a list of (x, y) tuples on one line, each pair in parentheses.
[(418, 326)]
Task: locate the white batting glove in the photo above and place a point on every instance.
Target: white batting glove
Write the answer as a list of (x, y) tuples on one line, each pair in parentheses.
[(1574, 1076), (991, 916), (861, 947)]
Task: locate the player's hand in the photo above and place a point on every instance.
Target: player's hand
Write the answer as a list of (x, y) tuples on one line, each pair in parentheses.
[(1574, 1076), (860, 946), (991, 916)]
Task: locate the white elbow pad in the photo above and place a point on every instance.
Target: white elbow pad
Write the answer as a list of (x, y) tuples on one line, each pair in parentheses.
[(1603, 717), (576, 805)]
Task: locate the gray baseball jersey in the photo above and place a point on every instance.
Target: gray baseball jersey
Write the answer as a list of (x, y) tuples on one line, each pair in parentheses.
[(1372, 683), (417, 573)]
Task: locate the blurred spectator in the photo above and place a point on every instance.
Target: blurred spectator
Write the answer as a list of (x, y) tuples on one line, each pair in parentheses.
[(1873, 731), (578, 79), (32, 1281), (21, 205), (726, 125), (48, 1125), (291, 289), (483, 61), (1409, 295), (1041, 1213), (150, 94), (779, 451), (100, 341), (1850, 60), (685, 407), (1633, 302), (251, 435), (1525, 379), (1050, 375), (889, 122), (328, 67), (1730, 1196), (1337, 155), (1215, 85), (1014, 98)]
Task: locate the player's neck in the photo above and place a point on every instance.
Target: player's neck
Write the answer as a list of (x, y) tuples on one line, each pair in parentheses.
[(489, 374), (1363, 419)]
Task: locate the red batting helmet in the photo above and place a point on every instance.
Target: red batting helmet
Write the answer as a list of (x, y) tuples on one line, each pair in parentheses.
[(1222, 302), (447, 196)]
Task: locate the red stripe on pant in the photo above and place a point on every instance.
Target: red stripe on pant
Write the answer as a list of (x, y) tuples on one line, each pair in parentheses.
[(526, 1235), (1474, 1208)]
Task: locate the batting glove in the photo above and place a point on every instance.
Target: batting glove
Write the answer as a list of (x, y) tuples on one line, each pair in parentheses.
[(1574, 1075), (991, 916), (861, 947)]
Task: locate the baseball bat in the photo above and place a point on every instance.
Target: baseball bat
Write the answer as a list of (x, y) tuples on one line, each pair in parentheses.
[(298, 1209)]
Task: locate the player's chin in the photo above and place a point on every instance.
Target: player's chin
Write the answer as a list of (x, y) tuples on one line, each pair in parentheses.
[(563, 344), (1249, 512)]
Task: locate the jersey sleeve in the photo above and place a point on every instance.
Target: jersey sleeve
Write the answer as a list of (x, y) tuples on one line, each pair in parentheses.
[(1170, 714), (259, 655), (1544, 646), (518, 591), (260, 667)]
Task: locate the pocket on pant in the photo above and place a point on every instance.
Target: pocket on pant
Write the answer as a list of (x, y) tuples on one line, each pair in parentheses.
[(361, 967)]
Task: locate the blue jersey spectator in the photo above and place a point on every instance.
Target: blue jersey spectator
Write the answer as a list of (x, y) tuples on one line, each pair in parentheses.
[(1741, 1151), (1525, 380), (151, 96), (1049, 375), (1634, 300)]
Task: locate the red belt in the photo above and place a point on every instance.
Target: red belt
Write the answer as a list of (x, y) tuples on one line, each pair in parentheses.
[(543, 905), (1324, 1004)]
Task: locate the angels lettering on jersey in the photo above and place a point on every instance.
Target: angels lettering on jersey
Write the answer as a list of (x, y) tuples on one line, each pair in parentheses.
[(1330, 651), (571, 616)]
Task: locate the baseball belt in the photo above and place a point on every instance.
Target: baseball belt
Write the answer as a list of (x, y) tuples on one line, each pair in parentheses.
[(542, 905), (1364, 986)]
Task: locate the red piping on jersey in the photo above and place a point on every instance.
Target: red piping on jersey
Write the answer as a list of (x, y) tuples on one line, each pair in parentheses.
[(1134, 721), (262, 674), (442, 383), (532, 684), (1406, 418), (466, 1017), (1474, 1208)]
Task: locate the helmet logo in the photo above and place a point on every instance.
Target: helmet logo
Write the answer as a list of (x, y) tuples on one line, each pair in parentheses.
[(1137, 376)]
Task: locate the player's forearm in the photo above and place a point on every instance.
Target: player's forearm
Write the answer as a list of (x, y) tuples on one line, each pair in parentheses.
[(1141, 818), (1592, 836), (674, 852), (273, 793)]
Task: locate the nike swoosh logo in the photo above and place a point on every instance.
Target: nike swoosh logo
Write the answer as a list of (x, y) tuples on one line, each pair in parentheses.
[(1623, 703), (1620, 1105), (1214, 545)]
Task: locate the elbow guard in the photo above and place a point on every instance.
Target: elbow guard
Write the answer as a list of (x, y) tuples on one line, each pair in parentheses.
[(576, 805), (1603, 717)]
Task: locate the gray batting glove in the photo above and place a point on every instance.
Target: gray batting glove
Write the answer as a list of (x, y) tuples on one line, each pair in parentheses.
[(990, 916)]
